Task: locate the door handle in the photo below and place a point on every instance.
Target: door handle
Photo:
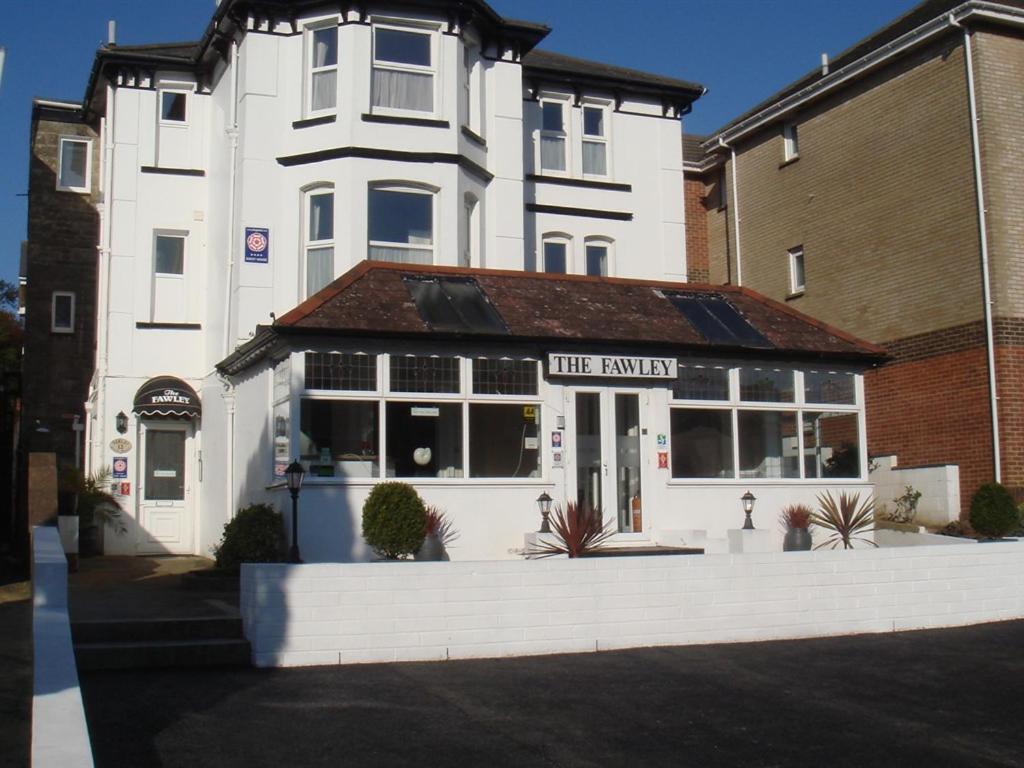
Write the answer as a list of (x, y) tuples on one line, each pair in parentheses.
[(605, 468)]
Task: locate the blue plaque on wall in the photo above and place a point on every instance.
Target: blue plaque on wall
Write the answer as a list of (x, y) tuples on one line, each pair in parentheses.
[(257, 245)]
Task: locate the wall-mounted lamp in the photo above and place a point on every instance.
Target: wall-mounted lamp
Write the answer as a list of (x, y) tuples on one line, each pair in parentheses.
[(121, 422)]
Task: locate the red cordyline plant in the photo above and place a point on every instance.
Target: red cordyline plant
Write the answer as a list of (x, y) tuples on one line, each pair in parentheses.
[(845, 519), (437, 523), (577, 530), (796, 516)]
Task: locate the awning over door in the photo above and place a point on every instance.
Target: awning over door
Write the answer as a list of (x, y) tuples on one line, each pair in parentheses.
[(167, 396)]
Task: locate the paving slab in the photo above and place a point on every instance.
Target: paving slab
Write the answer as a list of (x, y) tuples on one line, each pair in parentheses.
[(950, 697)]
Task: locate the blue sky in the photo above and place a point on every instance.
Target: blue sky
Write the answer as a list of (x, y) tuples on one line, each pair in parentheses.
[(741, 50)]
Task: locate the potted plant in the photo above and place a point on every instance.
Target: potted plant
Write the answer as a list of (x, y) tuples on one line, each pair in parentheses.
[(797, 520), (394, 520), (97, 508), (439, 533), (845, 519), (577, 531)]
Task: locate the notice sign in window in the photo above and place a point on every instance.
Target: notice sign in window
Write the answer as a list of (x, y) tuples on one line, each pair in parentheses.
[(257, 245)]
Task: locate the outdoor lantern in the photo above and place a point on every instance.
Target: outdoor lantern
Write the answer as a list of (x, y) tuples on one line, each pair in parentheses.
[(544, 502), (121, 422), (294, 475), (748, 500)]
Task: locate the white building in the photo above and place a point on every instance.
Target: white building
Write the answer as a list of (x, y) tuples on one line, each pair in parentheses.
[(241, 175)]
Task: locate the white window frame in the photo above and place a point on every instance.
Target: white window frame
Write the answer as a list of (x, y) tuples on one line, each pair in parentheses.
[(586, 138), (88, 163), (179, 234), (604, 242), (564, 135), (54, 328), (308, 244), (796, 256), (562, 238), (406, 188), (790, 142), (311, 70), (401, 25), (160, 106)]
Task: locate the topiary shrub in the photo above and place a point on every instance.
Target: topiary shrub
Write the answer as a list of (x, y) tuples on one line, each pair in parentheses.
[(256, 535), (394, 520), (993, 512)]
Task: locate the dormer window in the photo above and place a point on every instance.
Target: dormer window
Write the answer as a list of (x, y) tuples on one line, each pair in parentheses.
[(403, 69), (552, 136), (323, 69)]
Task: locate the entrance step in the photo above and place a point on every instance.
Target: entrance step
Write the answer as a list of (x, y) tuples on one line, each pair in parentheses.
[(132, 644)]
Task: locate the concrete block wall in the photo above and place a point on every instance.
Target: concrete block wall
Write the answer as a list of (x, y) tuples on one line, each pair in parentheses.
[(296, 615), (939, 486)]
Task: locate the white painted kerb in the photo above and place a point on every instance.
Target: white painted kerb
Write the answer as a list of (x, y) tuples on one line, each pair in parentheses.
[(370, 612), (60, 736)]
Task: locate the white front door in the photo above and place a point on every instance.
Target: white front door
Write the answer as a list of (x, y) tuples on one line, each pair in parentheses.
[(165, 488), (605, 456)]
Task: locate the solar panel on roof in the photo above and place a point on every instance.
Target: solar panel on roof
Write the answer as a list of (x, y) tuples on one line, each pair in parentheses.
[(454, 305), (717, 320)]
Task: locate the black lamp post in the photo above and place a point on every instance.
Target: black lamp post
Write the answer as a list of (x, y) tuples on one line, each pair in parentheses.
[(294, 474), (748, 500), (544, 502)]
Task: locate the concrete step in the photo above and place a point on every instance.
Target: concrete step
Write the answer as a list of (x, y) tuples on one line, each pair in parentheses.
[(156, 630), (168, 653)]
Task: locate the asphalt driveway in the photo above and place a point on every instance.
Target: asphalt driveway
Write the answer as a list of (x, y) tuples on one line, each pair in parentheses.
[(936, 698)]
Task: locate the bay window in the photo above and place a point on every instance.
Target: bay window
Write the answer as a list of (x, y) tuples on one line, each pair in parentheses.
[(701, 443), (595, 141), (552, 136), (403, 69), (340, 438), (319, 241), (401, 226), (322, 81)]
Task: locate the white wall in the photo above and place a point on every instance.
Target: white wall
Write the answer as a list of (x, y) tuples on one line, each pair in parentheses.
[(337, 614), (939, 485)]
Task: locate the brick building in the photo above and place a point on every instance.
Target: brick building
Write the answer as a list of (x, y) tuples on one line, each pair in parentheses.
[(861, 195)]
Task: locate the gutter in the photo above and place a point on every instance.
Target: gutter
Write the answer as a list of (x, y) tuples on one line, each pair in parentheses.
[(983, 243), (735, 208)]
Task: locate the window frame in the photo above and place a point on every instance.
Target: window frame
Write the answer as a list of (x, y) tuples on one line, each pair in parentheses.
[(309, 244), (790, 142), (54, 328), (432, 31), (795, 256), (599, 241), (88, 164), (556, 238), (309, 33), (173, 89), (406, 187), (178, 234), (543, 133), (604, 139)]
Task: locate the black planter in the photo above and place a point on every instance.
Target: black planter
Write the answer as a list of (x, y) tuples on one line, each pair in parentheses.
[(90, 541), (797, 540)]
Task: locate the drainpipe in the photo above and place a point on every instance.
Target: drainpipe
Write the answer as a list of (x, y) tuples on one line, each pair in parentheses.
[(232, 133), (229, 404), (983, 238), (735, 209), (103, 278)]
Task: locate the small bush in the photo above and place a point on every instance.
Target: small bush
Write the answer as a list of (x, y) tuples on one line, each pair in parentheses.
[(256, 535), (394, 520), (993, 512)]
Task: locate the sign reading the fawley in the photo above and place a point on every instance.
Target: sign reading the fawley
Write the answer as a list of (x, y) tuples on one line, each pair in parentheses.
[(612, 366)]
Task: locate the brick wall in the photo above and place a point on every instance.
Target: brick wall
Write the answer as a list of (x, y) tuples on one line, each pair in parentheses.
[(370, 612), (696, 229)]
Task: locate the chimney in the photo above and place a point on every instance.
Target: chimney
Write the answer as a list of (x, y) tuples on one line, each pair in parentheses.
[(111, 32), (824, 64)]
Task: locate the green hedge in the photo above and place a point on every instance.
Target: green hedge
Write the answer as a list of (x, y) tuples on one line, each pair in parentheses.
[(993, 512), (256, 535), (394, 520)]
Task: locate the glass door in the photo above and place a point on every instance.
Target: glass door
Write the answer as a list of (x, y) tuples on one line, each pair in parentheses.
[(590, 464), (627, 462)]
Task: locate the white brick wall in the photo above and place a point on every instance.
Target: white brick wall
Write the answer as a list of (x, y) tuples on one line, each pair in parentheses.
[(298, 615)]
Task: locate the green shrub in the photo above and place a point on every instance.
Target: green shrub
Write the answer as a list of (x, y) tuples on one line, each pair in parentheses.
[(394, 520), (993, 512), (256, 535)]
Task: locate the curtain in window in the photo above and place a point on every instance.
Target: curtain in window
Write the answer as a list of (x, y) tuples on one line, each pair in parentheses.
[(325, 89), (594, 159), (321, 217), (72, 164), (552, 153), (319, 269), (401, 255), (403, 90)]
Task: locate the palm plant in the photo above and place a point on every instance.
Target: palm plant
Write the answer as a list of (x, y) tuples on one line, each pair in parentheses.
[(437, 524), (578, 529), (96, 503), (846, 520)]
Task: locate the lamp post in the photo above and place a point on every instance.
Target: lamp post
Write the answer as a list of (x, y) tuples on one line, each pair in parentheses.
[(294, 475), (544, 502), (748, 500)]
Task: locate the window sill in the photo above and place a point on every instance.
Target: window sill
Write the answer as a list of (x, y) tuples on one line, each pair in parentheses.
[(473, 136), (62, 331), (423, 122), (74, 190), (791, 160), (794, 295), (172, 171), (566, 181), (170, 326), (311, 121)]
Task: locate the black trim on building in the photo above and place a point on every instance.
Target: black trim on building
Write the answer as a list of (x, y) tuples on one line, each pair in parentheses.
[(473, 136), (424, 122), (586, 212), (172, 171), (170, 326), (369, 153), (311, 121), (587, 183)]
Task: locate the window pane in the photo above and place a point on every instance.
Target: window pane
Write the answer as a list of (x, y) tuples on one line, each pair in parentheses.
[(831, 445), (401, 255), (504, 440), (325, 89), (595, 158), (402, 47), (321, 216), (552, 153), (796, 264), (319, 269), (551, 116), (325, 47), (829, 387), (341, 371), (73, 158), (593, 121), (597, 260), (62, 315), (554, 257), (340, 438), (170, 255), (424, 440), (412, 373), (172, 106), (695, 382), (165, 465), (504, 377), (768, 444), (401, 217), (701, 443), (766, 385), (403, 90)]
